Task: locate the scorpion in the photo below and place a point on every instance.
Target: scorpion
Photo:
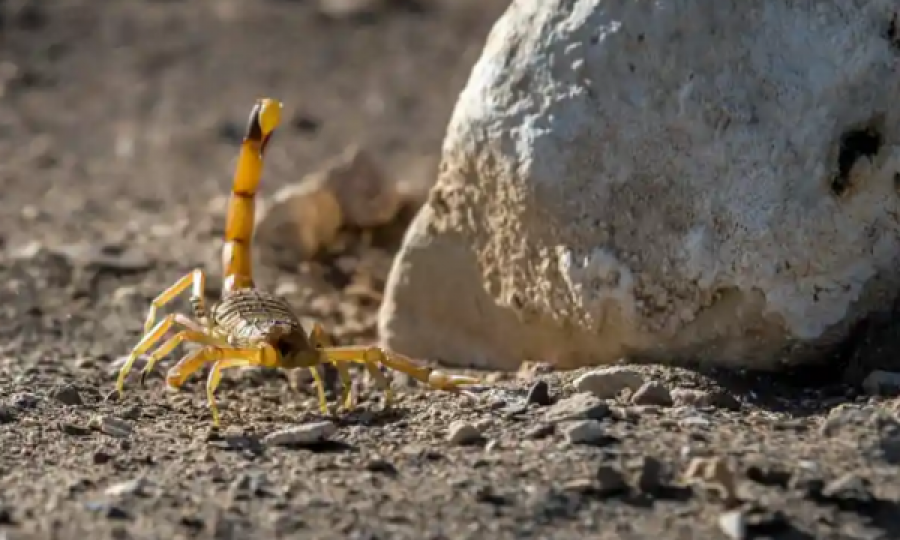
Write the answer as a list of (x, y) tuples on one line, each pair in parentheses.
[(248, 326)]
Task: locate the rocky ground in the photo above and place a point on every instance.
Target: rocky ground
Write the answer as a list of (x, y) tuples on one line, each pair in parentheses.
[(118, 128)]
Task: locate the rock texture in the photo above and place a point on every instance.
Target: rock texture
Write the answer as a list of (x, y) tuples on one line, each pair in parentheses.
[(670, 180)]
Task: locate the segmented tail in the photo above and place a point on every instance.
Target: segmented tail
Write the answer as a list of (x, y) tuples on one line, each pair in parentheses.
[(236, 255)]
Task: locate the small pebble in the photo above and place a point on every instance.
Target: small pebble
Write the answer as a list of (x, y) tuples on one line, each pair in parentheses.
[(582, 406), (24, 400), (540, 432), (130, 487), (689, 397), (67, 395), (652, 393), (74, 429), (381, 466), (311, 433), (110, 511), (539, 394), (733, 524), (610, 480), (649, 476), (584, 432), (111, 426), (462, 433), (7, 415), (607, 383)]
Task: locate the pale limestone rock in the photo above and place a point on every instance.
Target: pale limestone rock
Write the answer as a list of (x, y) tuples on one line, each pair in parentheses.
[(669, 180), (305, 217)]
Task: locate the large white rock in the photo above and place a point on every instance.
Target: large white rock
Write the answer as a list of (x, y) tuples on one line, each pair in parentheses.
[(672, 179)]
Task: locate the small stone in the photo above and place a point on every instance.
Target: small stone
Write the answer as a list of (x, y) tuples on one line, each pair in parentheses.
[(713, 474), (381, 466), (110, 511), (248, 485), (688, 397), (610, 480), (581, 406), (74, 429), (130, 487), (311, 433), (584, 432), (882, 383), (7, 414), (733, 524), (695, 421), (111, 426), (539, 394), (67, 394), (581, 485), (607, 383), (463, 433), (652, 393), (25, 400), (649, 476), (100, 457), (540, 432), (849, 487)]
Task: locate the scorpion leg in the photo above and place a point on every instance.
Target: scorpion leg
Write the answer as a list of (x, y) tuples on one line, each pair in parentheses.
[(371, 357), (149, 339), (221, 358), (193, 334), (320, 339), (196, 279), (320, 389)]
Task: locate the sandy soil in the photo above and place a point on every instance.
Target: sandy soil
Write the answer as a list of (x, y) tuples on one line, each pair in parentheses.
[(118, 130)]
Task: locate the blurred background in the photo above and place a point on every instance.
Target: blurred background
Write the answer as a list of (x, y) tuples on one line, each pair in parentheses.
[(120, 123)]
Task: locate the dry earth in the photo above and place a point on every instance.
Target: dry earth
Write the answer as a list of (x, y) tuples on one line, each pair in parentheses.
[(118, 128)]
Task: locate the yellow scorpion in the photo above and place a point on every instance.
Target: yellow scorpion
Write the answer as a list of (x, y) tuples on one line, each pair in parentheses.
[(251, 327)]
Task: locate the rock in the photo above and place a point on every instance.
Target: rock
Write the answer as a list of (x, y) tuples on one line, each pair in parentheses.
[(648, 477), (303, 218), (463, 433), (578, 407), (584, 432), (110, 511), (713, 474), (25, 400), (733, 524), (110, 425), (7, 414), (311, 433), (690, 397), (130, 487), (368, 198), (248, 485), (299, 221), (539, 394), (605, 190), (652, 393), (74, 430), (541, 431), (67, 395), (610, 480), (882, 383), (607, 383)]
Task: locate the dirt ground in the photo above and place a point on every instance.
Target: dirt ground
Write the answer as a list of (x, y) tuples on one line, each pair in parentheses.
[(119, 123)]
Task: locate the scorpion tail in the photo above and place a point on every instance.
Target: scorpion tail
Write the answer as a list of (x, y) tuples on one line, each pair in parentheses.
[(236, 254)]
